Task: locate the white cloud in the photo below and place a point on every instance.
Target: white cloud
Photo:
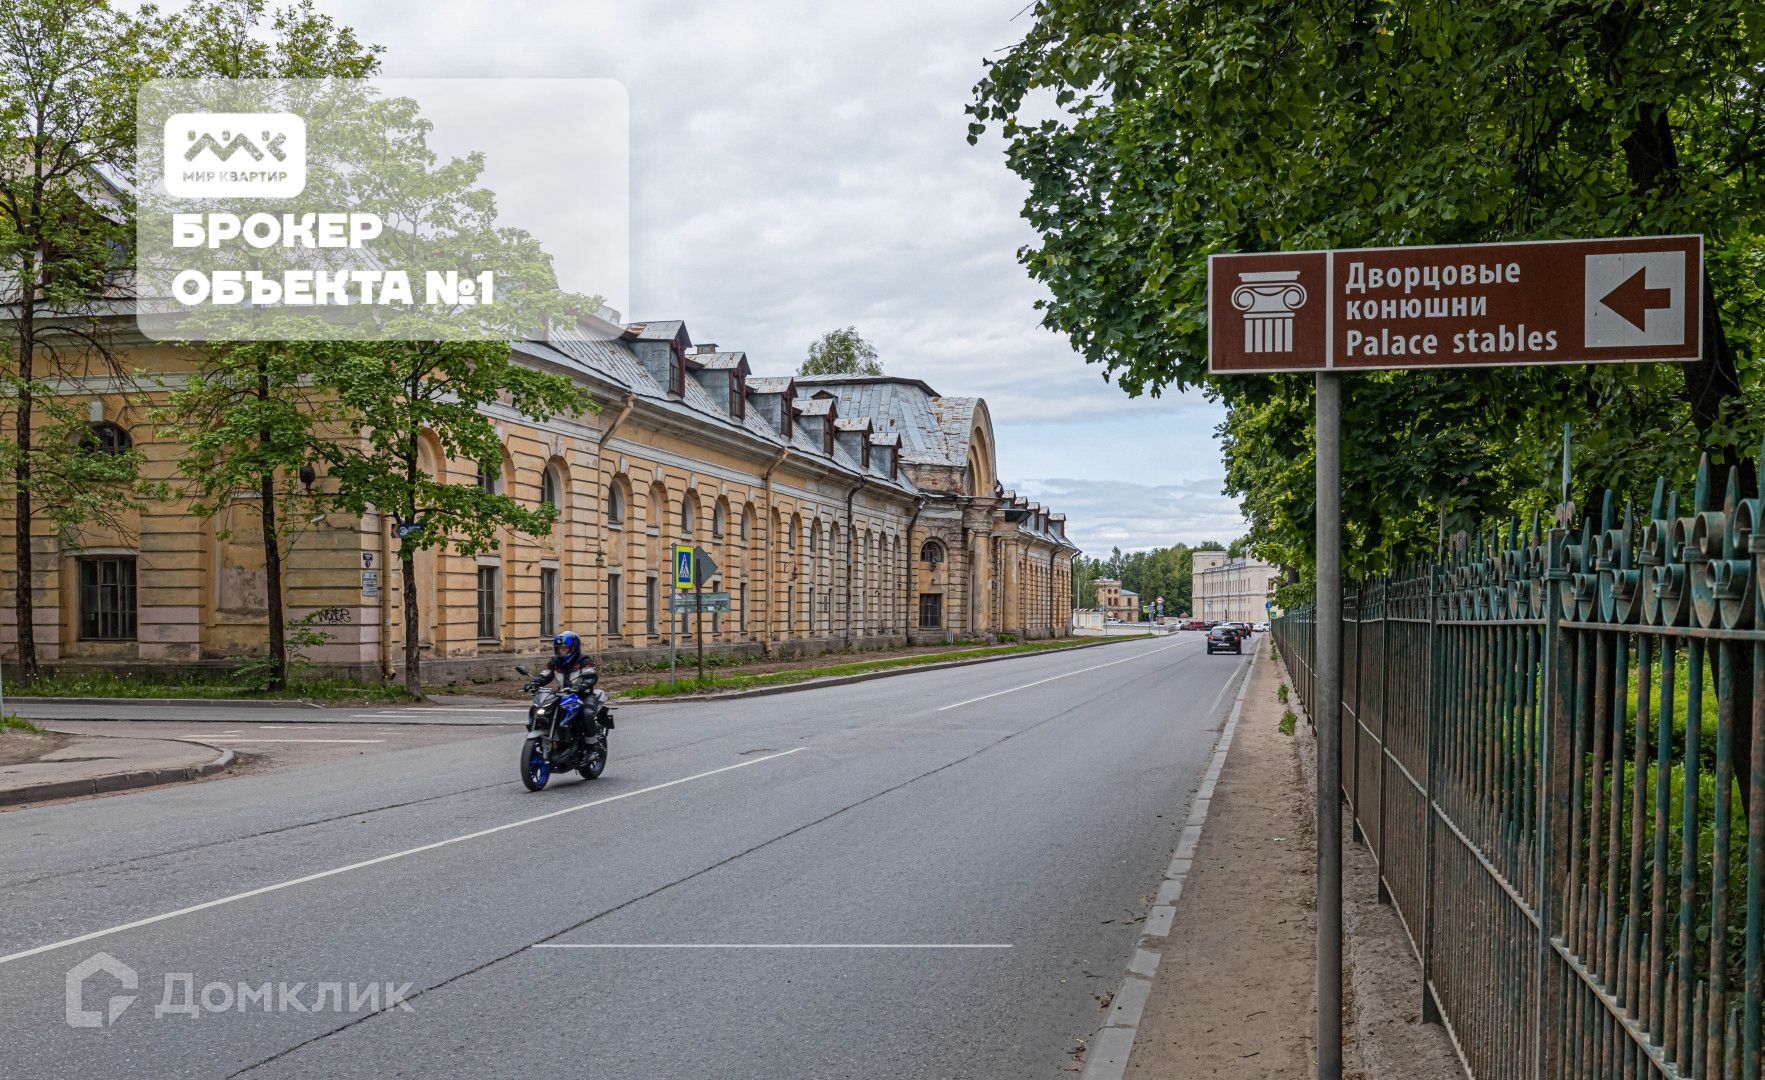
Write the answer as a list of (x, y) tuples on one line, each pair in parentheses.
[(798, 165), (1102, 514)]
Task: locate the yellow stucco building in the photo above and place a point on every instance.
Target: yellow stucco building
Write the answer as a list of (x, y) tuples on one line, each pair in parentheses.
[(843, 512)]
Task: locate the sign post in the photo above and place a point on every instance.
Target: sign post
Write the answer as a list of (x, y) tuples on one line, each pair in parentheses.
[(682, 578), (703, 568), (1624, 300)]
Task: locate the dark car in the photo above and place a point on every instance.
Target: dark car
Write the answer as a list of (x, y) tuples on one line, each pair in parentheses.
[(1224, 636)]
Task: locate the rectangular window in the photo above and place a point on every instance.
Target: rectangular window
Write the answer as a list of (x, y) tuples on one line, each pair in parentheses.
[(548, 602), (744, 608), (489, 624), (931, 610), (650, 605), (107, 599), (615, 602)]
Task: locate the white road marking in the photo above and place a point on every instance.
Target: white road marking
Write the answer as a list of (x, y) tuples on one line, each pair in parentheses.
[(267, 738), (1108, 1054), (768, 945), (1051, 678), (376, 861)]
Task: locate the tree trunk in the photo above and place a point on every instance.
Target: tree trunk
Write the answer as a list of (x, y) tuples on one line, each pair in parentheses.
[(22, 512), (273, 582), (413, 679)]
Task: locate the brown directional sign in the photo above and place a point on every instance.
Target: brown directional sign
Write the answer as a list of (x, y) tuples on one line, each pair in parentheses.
[(1468, 305)]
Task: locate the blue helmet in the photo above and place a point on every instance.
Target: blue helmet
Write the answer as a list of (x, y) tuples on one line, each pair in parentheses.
[(567, 647)]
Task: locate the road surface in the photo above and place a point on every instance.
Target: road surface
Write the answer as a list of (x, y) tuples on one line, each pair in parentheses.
[(935, 875)]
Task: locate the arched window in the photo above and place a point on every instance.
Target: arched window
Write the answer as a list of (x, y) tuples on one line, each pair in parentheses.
[(688, 515), (718, 514), (747, 523), (931, 552), (615, 505), (551, 488), (105, 437)]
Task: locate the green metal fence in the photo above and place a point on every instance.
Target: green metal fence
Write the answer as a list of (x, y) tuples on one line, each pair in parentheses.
[(1551, 743)]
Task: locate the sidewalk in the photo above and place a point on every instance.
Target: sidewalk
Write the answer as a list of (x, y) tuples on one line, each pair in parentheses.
[(35, 767), (1234, 992)]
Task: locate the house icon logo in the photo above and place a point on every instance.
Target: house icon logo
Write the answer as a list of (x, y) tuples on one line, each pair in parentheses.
[(235, 155), (81, 1017), (1268, 299)]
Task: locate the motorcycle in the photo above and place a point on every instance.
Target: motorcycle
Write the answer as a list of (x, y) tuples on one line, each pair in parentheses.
[(566, 729)]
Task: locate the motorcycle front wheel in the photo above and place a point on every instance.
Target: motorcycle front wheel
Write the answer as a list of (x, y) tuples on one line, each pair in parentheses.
[(535, 769), (597, 760)]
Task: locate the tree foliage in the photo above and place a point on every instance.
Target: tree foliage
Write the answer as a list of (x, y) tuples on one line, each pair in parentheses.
[(841, 352), (248, 416), (68, 71), (1165, 571), (1153, 133)]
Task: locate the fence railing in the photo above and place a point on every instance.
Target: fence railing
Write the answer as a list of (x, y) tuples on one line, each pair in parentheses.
[(1552, 744)]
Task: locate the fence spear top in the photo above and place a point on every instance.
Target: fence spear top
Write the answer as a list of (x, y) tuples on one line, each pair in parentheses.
[(1660, 498), (1701, 493)]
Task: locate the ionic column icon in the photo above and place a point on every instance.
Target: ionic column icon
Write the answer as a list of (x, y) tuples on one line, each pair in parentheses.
[(1268, 299)]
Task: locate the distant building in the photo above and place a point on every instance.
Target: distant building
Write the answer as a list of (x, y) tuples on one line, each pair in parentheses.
[(1232, 590), (1117, 602)]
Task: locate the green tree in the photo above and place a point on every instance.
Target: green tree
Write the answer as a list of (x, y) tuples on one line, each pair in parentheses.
[(399, 392), (246, 417), (841, 352), (1166, 131), (68, 72)]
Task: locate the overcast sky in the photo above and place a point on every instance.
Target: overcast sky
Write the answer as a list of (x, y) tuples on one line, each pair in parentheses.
[(798, 166)]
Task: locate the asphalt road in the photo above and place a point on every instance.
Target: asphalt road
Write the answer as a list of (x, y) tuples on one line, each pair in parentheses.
[(989, 836)]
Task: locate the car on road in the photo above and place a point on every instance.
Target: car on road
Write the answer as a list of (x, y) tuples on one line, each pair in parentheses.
[(1195, 624), (1223, 637), (1262, 627)]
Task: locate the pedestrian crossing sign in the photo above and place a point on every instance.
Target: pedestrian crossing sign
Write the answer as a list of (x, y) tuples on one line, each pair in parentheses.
[(683, 566)]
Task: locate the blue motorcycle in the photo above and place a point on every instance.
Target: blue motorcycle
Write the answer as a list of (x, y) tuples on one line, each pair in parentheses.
[(566, 729)]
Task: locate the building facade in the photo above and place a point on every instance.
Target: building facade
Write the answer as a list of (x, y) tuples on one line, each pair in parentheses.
[(1117, 602), (1232, 590), (841, 513)]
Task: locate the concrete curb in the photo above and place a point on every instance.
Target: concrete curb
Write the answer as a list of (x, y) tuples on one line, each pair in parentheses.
[(1107, 1058), (845, 680), (119, 781), (188, 703)]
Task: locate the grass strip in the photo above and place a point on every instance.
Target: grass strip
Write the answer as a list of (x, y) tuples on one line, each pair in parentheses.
[(710, 683)]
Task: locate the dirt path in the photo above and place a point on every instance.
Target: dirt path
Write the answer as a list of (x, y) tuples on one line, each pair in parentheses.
[(1234, 993), (18, 747)]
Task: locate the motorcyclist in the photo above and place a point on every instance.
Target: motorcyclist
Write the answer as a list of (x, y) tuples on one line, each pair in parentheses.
[(567, 660)]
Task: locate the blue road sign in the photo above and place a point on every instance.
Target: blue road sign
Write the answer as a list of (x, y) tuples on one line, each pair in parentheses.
[(683, 566)]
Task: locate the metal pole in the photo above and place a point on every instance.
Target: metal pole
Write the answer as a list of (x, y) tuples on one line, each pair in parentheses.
[(673, 626), (1329, 721), (699, 615)]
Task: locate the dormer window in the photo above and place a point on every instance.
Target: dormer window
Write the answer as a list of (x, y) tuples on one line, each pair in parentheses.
[(827, 435), (787, 416), (676, 371), (864, 452), (738, 394)]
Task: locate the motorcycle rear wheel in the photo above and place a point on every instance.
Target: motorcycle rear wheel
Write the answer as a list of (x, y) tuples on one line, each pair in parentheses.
[(535, 769), (597, 760)]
